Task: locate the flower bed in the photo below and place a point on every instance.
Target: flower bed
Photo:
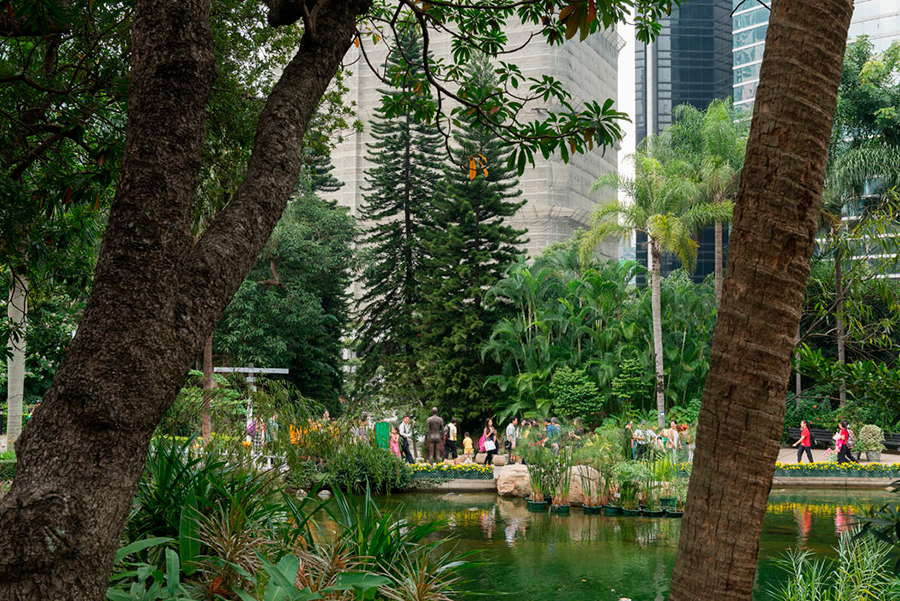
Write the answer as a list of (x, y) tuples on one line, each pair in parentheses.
[(830, 469), (443, 471)]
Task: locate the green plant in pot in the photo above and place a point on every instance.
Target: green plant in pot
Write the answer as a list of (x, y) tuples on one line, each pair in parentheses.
[(537, 475), (870, 441), (562, 481), (631, 476)]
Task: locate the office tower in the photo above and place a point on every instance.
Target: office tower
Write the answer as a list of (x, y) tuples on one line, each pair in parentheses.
[(689, 63), (877, 19), (558, 194)]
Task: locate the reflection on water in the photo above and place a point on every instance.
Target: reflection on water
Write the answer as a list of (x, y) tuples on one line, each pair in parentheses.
[(541, 557)]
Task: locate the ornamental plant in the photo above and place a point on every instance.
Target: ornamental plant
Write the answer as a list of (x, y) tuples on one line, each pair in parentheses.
[(870, 439)]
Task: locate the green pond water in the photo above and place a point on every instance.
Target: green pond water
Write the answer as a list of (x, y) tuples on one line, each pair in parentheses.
[(542, 557)]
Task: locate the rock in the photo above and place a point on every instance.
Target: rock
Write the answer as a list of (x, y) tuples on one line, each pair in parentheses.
[(576, 493), (512, 480), (480, 458), (499, 460), (324, 494)]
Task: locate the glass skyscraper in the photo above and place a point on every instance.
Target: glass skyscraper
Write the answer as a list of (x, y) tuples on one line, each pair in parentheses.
[(689, 63), (877, 19)]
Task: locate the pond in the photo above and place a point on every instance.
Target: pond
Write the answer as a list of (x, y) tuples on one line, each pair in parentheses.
[(542, 557)]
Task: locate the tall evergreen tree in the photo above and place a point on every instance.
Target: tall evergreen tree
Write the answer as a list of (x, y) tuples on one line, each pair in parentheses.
[(467, 251), (402, 185)]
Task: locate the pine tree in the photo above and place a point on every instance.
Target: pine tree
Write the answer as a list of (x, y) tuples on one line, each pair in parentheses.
[(402, 185), (468, 250)]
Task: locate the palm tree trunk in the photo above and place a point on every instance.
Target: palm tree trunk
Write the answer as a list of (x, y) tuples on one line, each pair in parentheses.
[(656, 308), (17, 312), (772, 239), (209, 383), (719, 253), (839, 333)]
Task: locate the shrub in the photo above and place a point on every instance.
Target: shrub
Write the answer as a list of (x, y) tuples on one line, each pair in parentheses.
[(356, 467), (869, 439), (575, 394)]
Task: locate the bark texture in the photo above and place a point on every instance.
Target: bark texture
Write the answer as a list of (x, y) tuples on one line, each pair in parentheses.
[(209, 384), (156, 296), (17, 313), (656, 309), (773, 235), (718, 259)]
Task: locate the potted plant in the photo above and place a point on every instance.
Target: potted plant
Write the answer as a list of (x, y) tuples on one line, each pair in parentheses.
[(630, 475), (870, 441), (537, 476), (561, 470)]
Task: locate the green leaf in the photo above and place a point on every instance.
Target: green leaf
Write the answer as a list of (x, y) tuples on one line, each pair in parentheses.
[(173, 572), (189, 534), (140, 545)]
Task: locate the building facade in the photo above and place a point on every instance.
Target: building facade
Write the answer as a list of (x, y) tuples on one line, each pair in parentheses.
[(877, 19), (558, 195), (689, 63)]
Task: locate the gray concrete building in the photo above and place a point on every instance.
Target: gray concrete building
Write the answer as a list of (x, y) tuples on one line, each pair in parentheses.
[(558, 195)]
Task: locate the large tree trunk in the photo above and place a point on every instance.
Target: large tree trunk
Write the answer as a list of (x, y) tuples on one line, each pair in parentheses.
[(772, 239), (17, 312), (718, 259), (156, 295), (209, 383), (656, 309)]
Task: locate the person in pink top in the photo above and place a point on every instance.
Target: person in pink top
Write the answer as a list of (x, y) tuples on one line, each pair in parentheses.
[(395, 442), (841, 443), (805, 442)]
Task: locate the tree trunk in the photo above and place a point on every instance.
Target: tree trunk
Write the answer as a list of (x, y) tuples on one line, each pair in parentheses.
[(156, 295), (656, 309), (209, 383), (839, 334), (718, 259), (17, 312), (775, 224)]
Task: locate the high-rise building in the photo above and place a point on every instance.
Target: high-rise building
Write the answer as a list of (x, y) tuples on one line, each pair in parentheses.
[(558, 195), (688, 63), (877, 19)]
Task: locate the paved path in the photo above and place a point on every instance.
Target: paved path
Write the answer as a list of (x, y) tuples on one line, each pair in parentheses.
[(789, 455)]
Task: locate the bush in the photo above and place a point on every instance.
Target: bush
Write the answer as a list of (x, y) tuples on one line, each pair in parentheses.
[(575, 394), (869, 439), (356, 467)]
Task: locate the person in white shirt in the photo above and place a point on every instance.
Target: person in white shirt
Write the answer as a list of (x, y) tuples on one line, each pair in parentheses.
[(512, 435), (450, 435), (406, 439)]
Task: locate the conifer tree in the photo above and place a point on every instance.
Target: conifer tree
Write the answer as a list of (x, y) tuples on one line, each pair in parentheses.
[(402, 185), (467, 251)]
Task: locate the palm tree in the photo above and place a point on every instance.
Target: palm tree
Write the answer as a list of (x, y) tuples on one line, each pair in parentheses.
[(715, 141), (665, 206)]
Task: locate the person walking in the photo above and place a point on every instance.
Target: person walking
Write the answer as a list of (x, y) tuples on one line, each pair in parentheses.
[(512, 435), (468, 447), (406, 439), (450, 451), (805, 442), (841, 443), (489, 441), (434, 443)]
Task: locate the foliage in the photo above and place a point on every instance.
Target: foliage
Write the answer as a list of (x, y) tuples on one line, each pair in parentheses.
[(595, 320), (357, 467), (858, 572), (292, 308), (574, 394), (466, 251), (398, 202), (870, 438)]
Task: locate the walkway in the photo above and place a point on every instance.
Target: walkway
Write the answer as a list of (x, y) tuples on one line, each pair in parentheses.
[(789, 455)]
